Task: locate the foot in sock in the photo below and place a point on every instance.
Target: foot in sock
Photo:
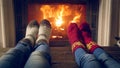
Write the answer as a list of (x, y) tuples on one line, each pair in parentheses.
[(32, 31), (44, 31), (86, 33), (74, 37)]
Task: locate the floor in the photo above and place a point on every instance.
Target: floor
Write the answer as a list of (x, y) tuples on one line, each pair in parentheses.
[(63, 58)]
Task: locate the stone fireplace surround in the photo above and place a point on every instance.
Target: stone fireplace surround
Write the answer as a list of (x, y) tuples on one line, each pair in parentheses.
[(106, 29)]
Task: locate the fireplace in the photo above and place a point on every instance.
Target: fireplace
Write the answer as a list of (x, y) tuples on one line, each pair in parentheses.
[(59, 12)]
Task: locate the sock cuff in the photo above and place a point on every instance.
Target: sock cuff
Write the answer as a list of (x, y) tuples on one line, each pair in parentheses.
[(42, 37), (77, 45), (91, 46), (31, 36)]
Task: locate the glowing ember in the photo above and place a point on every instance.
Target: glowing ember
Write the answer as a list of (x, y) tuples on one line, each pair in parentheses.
[(60, 36), (54, 36), (62, 29)]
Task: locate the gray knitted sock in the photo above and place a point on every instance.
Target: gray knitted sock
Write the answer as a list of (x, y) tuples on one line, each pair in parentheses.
[(44, 31), (32, 31)]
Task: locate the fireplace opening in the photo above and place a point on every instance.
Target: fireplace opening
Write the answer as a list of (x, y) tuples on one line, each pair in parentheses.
[(59, 16), (60, 13)]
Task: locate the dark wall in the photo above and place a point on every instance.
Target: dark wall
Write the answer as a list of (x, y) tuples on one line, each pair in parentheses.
[(115, 19), (92, 16), (20, 9)]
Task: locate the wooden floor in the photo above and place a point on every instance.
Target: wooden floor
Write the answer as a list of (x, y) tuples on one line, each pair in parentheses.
[(63, 58)]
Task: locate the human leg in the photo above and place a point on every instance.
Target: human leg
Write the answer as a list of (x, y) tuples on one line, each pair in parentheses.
[(40, 58), (82, 58), (106, 59), (95, 49), (16, 57)]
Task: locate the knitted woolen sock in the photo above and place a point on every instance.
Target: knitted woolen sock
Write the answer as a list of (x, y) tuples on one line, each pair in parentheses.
[(32, 31), (86, 33), (44, 31), (74, 38)]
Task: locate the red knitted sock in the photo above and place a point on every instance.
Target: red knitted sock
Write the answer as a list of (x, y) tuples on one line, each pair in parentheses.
[(74, 37), (86, 33)]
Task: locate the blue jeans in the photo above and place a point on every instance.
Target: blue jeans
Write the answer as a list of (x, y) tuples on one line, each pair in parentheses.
[(99, 59), (40, 58), (21, 56)]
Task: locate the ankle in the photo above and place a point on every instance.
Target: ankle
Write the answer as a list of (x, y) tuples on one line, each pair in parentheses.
[(77, 45), (91, 46), (31, 38), (42, 38)]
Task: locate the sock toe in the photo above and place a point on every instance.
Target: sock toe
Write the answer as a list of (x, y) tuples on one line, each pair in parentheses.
[(85, 27), (33, 23), (45, 23), (86, 32)]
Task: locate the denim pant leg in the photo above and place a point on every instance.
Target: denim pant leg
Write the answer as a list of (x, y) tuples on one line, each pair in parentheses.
[(40, 58), (16, 57), (106, 59), (85, 60)]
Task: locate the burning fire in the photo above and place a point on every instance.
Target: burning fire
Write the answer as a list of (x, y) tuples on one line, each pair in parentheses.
[(58, 15), (61, 14), (58, 12)]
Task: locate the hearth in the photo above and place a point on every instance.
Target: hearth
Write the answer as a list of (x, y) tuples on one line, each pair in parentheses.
[(59, 12)]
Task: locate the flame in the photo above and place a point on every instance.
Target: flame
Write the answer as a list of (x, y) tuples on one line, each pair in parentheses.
[(79, 17), (56, 12), (76, 18), (59, 20), (59, 15), (47, 11)]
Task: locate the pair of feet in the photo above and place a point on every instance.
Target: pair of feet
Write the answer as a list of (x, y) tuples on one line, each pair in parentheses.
[(80, 37), (38, 32)]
